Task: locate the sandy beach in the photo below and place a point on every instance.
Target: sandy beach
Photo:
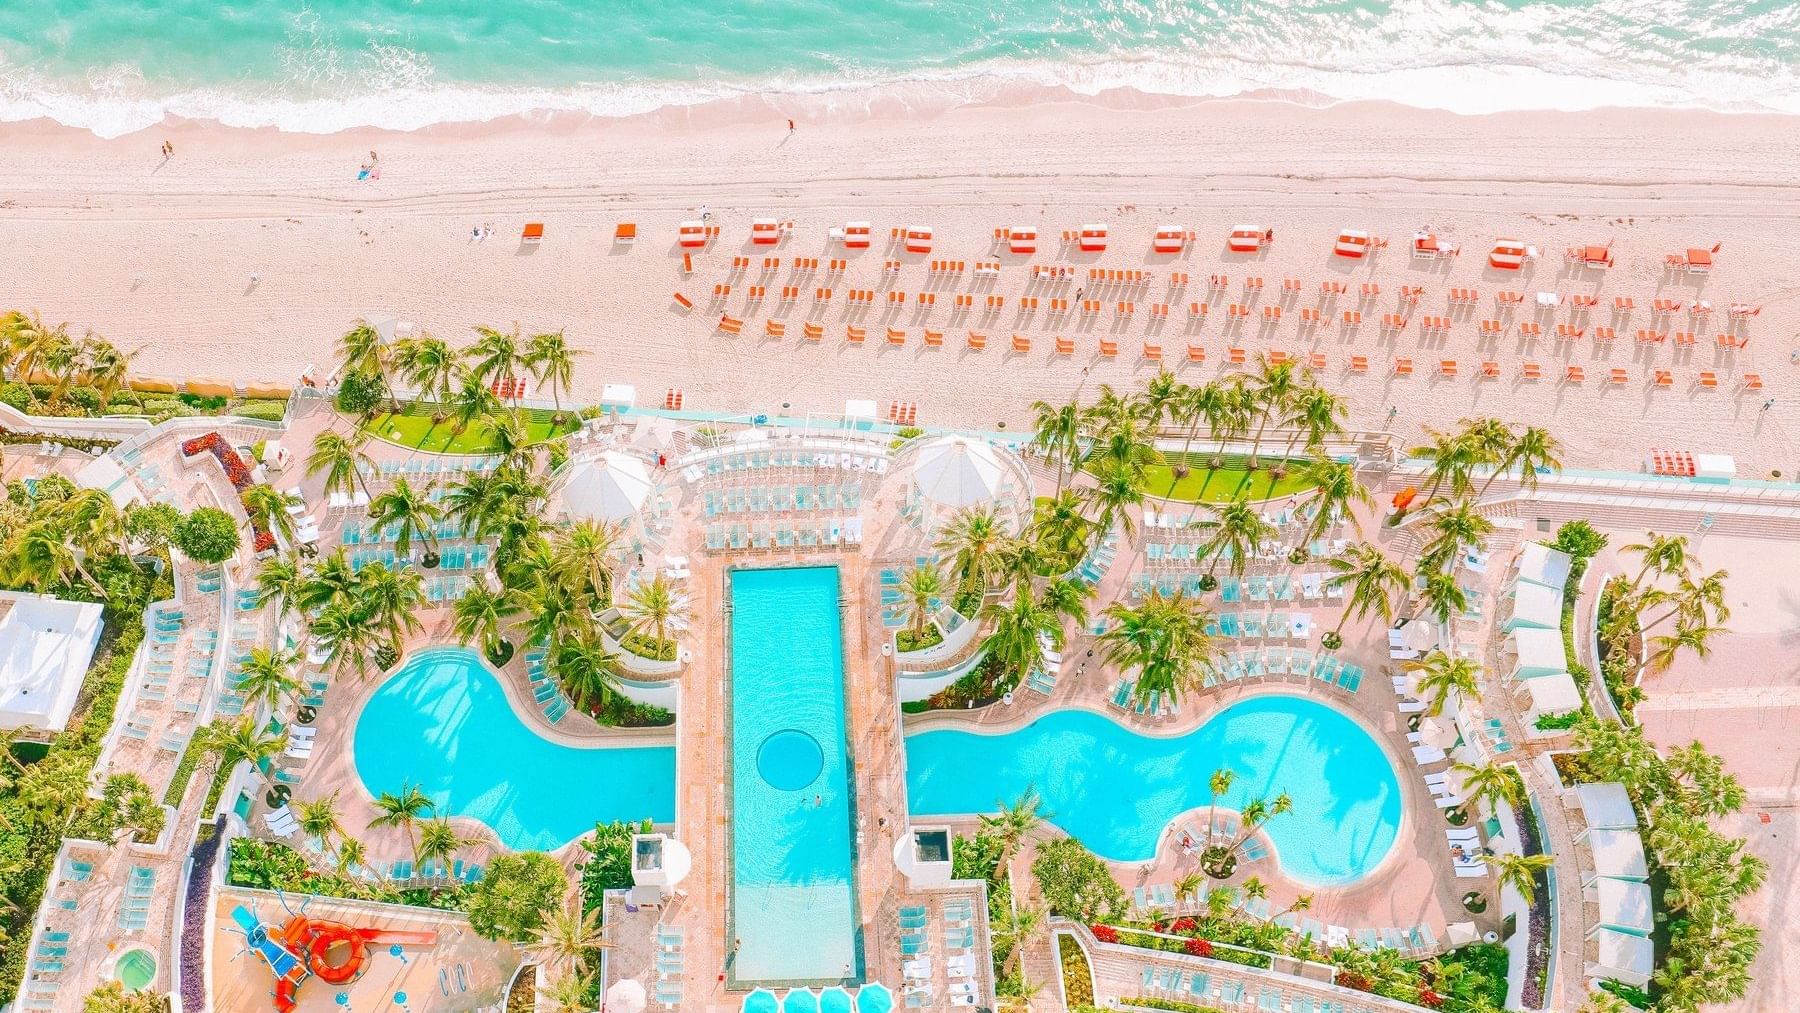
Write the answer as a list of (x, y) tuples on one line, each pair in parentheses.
[(159, 256)]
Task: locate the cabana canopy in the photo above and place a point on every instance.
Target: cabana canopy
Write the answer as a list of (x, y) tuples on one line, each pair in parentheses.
[(1352, 243), (626, 995), (1541, 564), (1624, 906), (1628, 958), (610, 487), (1535, 605), (1539, 652), (1618, 854), (1553, 694), (956, 471), (1606, 806)]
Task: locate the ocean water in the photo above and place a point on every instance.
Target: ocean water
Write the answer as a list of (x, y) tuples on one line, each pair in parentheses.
[(319, 65)]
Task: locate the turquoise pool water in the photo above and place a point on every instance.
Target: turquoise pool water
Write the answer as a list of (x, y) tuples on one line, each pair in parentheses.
[(793, 891), (1116, 790), (443, 722)]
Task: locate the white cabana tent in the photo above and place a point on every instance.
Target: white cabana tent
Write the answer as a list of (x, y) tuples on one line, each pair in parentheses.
[(1618, 854), (609, 487), (1606, 806), (618, 396), (104, 473), (45, 646), (626, 996), (859, 410), (653, 432), (1541, 564), (1537, 652), (1552, 694), (1624, 906), (1534, 605), (957, 471), (1627, 958)]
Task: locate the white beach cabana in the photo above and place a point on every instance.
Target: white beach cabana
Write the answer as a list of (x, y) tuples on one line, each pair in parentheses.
[(1551, 694), (1618, 854), (1540, 564), (1533, 605), (957, 471), (1536, 653), (859, 410), (1605, 806), (45, 646), (104, 473), (1624, 957), (1624, 905), (609, 487), (626, 995)]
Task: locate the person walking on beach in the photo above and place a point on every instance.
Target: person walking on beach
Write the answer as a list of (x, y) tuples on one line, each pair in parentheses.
[(790, 126), (168, 150)]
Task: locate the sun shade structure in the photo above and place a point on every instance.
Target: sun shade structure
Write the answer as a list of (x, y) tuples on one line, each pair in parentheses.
[(1352, 243), (800, 1000), (1628, 958), (1618, 854), (874, 998), (45, 646), (1534, 605), (956, 471), (1510, 254), (1624, 906), (836, 1000), (627, 996), (1606, 806), (1541, 564), (610, 487), (1553, 694), (761, 1001), (1169, 239), (1248, 239), (1537, 652), (1022, 239)]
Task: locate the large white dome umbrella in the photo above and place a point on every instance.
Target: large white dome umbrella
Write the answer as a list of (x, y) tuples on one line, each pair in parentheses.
[(626, 996), (956, 471), (610, 487)]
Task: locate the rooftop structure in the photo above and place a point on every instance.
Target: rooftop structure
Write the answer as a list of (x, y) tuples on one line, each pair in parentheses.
[(46, 644)]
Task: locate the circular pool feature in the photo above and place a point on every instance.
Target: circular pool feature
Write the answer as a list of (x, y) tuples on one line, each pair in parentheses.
[(789, 760), (135, 970)]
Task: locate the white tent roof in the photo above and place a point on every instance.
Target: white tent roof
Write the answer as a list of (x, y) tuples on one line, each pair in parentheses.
[(859, 408), (1541, 564), (1628, 958), (104, 473), (618, 395), (1536, 605), (1540, 652), (626, 995), (610, 487), (1606, 806), (1618, 854), (45, 646), (1553, 694), (1625, 905), (957, 471)]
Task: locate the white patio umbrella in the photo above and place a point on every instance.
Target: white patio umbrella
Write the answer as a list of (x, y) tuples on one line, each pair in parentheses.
[(626, 995), (956, 471), (610, 487), (1439, 731), (1421, 635)]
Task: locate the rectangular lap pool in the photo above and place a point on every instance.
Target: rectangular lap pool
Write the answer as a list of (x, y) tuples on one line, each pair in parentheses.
[(793, 890)]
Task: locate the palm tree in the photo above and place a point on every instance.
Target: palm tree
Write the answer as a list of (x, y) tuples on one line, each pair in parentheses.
[(1453, 460), (1238, 530), (439, 842), (589, 673), (1057, 430), (431, 366), (566, 938), (1202, 404), (1218, 784), (1316, 414), (403, 811), (39, 556), (496, 357), (341, 459), (510, 438), (1116, 489), (265, 677), (1520, 872), (350, 854), (1067, 597), (1019, 629), (1336, 487), (268, 509), (1013, 927), (1162, 397), (1441, 674), (1374, 580), (552, 361), (1604, 1002), (93, 523), (1013, 824), (1693, 637), (474, 503), (1666, 554), (1219, 860), (1532, 451), (1187, 887), (345, 636), (1693, 600), (1489, 783), (581, 558), (921, 591), (483, 614), (318, 819), (654, 607), (410, 513), (1060, 528), (1442, 596), (64, 362), (568, 994), (240, 740), (473, 400), (107, 368), (362, 350), (29, 339), (1455, 529), (1273, 388), (1122, 435), (390, 601), (1165, 639), (1302, 902), (973, 537)]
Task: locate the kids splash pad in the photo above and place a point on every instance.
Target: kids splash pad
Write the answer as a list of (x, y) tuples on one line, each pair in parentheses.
[(304, 948)]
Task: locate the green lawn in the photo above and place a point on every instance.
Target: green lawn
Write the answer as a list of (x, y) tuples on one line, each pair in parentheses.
[(1207, 485), (413, 428)]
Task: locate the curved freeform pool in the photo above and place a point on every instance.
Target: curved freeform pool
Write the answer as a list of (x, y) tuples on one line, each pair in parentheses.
[(1116, 790), (443, 722)]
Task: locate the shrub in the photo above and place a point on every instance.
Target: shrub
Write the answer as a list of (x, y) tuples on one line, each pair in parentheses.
[(608, 865), (205, 403), (511, 900), (17, 395), (85, 398), (208, 535), (359, 393), (1558, 722), (1579, 539), (1198, 947), (1077, 977), (151, 525), (160, 408), (1174, 1005), (909, 641), (267, 411), (1075, 883)]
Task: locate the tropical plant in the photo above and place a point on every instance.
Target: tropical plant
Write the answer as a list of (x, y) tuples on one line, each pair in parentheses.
[(266, 677), (1453, 460), (1220, 859), (390, 601), (921, 592), (341, 460), (1440, 674), (567, 938), (581, 559), (1374, 582), (1164, 639), (1532, 451), (1057, 431), (1014, 823), (243, 740), (1019, 629), (207, 535), (403, 810), (268, 509), (1218, 783), (1454, 530), (588, 672), (1520, 872), (483, 614), (973, 538), (1335, 490), (344, 638), (318, 819), (1272, 389), (655, 607), (1237, 531), (473, 400), (439, 842), (430, 365), (410, 513), (362, 350), (496, 357), (515, 896), (1488, 784), (1117, 487), (552, 362), (1315, 414), (1442, 595)]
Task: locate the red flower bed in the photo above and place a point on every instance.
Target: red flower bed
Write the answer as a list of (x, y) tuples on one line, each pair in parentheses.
[(1350, 979), (1431, 999), (1198, 947), (1182, 926), (1105, 933), (214, 444)]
